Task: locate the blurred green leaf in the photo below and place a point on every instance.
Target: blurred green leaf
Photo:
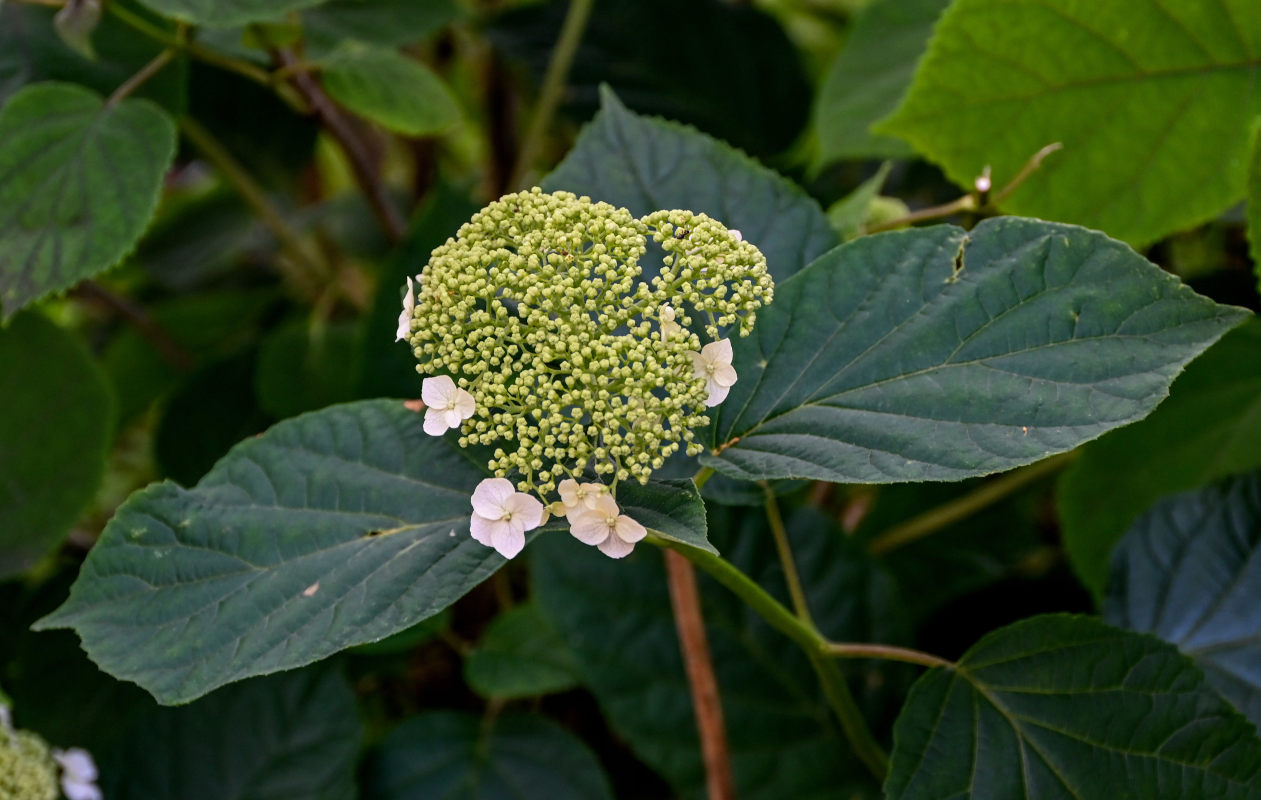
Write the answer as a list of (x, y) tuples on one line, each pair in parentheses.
[(389, 23), (849, 214), (304, 368), (54, 436), (31, 51), (728, 68), (226, 13), (459, 756), (1254, 208), (1208, 429), (196, 240), (332, 529), (869, 78), (520, 655), (286, 736), (76, 22), (940, 354), (1189, 571), (391, 89), (79, 182), (1060, 706), (646, 164), (617, 618), (1154, 108)]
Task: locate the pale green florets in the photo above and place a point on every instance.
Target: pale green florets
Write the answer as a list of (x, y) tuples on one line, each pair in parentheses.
[(27, 769), (539, 309)]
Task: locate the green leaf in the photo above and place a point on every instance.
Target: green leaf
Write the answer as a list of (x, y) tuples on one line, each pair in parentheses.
[(54, 435), (398, 92), (301, 368), (226, 13), (869, 78), (286, 736), (1208, 429), (458, 756), (1189, 571), (757, 104), (389, 23), (936, 354), (31, 51), (672, 509), (850, 214), (1254, 208), (646, 164), (332, 529), (1154, 107), (520, 655), (784, 743), (79, 181), (1060, 706)]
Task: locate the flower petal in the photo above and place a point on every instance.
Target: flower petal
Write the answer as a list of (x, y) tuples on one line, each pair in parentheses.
[(526, 509), (490, 495), (508, 541), (628, 530), (435, 422), (404, 325), (452, 418), (718, 352), (604, 505), (589, 528), (614, 547), (77, 764), (568, 489), (437, 391), (465, 404), (716, 394), (481, 528), (699, 364), (724, 375)]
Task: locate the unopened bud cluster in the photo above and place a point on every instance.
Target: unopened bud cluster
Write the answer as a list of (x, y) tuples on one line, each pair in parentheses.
[(27, 769), (574, 359)]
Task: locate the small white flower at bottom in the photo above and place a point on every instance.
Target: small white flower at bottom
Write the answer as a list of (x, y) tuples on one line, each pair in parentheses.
[(502, 515), (604, 526), (447, 405), (405, 318), (713, 363), (576, 496), (78, 774)]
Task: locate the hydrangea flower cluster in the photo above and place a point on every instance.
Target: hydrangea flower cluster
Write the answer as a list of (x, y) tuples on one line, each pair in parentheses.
[(544, 339), (29, 768)]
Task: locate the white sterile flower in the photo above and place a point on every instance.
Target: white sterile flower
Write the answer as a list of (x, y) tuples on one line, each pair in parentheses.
[(78, 774), (502, 515), (713, 363), (739, 237), (405, 318), (668, 326), (579, 496), (447, 405), (604, 526)]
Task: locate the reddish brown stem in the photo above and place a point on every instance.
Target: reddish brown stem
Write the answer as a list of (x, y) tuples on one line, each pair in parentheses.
[(706, 701)]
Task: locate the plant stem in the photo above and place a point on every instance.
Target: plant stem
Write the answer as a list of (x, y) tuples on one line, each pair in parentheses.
[(153, 333), (1032, 164), (357, 153), (702, 476), (553, 86), (308, 273), (887, 652), (786, 560), (806, 637), (962, 507), (964, 203), (145, 73), (706, 701)]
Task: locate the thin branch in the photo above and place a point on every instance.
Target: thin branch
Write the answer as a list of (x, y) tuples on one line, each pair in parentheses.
[(309, 273), (170, 350), (886, 652), (553, 87), (963, 507), (965, 203), (1028, 169), (340, 127), (144, 74), (789, 565), (706, 702)]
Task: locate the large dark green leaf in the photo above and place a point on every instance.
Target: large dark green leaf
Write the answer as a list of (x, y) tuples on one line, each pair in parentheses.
[(286, 737), (617, 618), (1208, 429), (31, 51), (648, 164), (332, 529), (869, 78), (1067, 707), (226, 13), (1189, 571), (54, 433), (79, 181), (938, 354), (1154, 106), (643, 48), (457, 756)]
